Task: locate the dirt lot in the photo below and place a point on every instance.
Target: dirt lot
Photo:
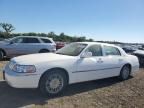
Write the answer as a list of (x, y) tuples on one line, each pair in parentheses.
[(106, 93)]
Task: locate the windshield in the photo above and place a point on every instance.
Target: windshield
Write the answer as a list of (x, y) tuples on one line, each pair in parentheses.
[(73, 49)]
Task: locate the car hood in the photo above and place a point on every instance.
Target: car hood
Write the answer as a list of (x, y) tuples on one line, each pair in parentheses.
[(32, 59)]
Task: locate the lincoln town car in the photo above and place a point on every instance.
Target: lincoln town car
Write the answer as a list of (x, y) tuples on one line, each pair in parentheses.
[(76, 62)]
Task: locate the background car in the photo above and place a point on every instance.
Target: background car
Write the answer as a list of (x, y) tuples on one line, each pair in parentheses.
[(60, 45), (129, 50), (22, 45), (140, 55)]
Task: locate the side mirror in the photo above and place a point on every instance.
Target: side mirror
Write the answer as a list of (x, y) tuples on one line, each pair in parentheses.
[(86, 54)]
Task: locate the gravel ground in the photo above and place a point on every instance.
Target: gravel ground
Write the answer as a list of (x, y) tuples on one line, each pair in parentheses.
[(105, 93)]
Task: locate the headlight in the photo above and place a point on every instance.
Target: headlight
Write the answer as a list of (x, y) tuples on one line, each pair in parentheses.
[(22, 68)]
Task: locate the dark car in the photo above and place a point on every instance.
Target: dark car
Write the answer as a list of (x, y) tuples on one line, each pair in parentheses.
[(129, 50), (140, 55)]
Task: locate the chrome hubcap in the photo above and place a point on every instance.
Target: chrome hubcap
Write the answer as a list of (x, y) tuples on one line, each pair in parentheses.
[(54, 83)]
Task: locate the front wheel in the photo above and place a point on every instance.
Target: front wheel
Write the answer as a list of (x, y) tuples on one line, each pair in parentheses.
[(125, 72), (53, 83)]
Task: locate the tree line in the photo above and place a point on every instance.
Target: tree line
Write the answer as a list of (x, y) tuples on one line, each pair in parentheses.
[(6, 32)]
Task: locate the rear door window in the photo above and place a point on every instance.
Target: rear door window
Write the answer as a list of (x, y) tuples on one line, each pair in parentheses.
[(109, 50), (30, 40)]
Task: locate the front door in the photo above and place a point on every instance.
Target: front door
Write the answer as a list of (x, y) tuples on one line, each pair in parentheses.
[(90, 68), (15, 47), (23, 45)]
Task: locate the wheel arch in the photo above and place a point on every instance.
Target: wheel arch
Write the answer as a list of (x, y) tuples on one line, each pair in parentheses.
[(56, 68), (127, 64)]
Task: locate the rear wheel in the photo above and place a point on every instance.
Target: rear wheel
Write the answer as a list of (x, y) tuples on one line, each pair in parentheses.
[(53, 83), (125, 72), (1, 55)]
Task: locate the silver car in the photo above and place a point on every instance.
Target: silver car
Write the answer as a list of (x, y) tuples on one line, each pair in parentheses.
[(22, 45)]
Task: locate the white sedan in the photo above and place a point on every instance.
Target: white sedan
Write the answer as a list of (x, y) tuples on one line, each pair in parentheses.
[(76, 62)]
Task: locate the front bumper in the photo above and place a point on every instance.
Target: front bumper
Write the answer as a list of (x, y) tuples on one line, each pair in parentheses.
[(21, 80)]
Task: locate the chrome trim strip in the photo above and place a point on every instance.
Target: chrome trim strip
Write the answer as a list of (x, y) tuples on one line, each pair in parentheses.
[(96, 69)]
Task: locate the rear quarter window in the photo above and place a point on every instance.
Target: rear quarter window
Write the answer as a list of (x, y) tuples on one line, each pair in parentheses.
[(46, 40)]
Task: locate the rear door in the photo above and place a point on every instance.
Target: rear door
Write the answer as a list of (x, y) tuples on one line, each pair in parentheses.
[(31, 45), (113, 61)]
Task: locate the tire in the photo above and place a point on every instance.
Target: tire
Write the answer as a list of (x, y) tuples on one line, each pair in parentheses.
[(1, 55), (125, 73), (43, 51), (53, 83)]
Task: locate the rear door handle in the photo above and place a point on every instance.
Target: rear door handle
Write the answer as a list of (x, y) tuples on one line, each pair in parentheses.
[(100, 61), (120, 60)]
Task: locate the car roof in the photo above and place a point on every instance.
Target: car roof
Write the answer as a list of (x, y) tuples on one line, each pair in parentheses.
[(35, 37), (93, 43), (99, 43)]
